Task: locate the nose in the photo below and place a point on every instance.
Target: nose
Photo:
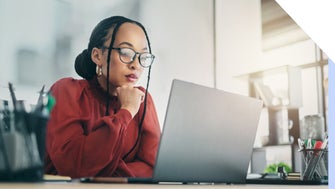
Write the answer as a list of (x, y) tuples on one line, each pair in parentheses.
[(136, 63)]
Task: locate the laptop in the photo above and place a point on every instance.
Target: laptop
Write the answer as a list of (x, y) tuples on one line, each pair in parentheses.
[(208, 137)]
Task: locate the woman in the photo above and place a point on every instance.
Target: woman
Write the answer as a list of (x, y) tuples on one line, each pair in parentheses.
[(103, 125)]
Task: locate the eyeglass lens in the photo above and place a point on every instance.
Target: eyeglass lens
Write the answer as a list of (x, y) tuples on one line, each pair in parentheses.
[(128, 55)]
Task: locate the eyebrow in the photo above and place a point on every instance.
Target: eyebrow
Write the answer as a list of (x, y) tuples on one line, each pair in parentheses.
[(131, 45)]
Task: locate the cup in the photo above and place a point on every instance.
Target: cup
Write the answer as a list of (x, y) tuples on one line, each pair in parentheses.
[(314, 164), (312, 127)]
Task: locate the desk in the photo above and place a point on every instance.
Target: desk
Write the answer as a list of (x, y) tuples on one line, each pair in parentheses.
[(76, 185)]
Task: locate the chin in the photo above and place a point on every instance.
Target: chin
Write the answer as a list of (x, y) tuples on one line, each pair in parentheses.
[(130, 84)]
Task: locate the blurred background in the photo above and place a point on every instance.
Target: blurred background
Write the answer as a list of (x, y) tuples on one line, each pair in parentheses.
[(250, 47)]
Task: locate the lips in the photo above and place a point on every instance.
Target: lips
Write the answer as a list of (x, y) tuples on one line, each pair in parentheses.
[(132, 77)]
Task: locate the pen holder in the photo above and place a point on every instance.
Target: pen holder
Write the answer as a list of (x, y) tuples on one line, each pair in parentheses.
[(314, 164), (22, 146)]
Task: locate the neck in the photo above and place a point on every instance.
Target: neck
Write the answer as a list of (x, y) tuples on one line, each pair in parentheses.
[(103, 84)]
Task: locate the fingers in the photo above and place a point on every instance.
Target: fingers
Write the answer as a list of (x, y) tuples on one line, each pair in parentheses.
[(130, 92), (130, 98)]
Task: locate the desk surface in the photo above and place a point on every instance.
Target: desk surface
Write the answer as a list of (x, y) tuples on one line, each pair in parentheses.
[(75, 185)]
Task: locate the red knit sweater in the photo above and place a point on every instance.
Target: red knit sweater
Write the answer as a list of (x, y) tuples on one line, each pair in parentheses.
[(81, 141)]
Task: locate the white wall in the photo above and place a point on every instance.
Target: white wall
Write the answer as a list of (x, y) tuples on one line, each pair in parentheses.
[(239, 43), (17, 32), (181, 33), (23, 27), (299, 53)]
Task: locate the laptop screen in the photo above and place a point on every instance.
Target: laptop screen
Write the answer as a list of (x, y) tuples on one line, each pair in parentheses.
[(208, 135)]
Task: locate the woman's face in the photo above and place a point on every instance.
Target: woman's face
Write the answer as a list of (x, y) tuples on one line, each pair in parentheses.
[(130, 36)]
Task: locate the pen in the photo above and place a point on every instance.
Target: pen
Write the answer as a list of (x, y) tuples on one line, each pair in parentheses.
[(6, 116), (39, 104), (20, 121), (12, 94), (104, 180)]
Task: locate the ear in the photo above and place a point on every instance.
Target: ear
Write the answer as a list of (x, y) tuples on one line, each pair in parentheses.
[(96, 56)]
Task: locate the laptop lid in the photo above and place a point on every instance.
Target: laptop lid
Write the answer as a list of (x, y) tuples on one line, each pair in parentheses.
[(208, 135)]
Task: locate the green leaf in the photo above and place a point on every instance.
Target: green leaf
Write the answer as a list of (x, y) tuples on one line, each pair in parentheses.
[(272, 168)]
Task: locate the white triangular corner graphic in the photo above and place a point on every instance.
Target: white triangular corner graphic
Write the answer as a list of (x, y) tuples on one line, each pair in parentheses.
[(316, 18)]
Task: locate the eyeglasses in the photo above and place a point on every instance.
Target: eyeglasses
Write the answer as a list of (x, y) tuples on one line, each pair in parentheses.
[(128, 55)]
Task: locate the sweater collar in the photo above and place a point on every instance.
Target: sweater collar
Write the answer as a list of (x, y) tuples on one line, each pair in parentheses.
[(98, 91)]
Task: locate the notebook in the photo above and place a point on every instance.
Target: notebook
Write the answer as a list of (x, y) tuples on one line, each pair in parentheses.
[(207, 137)]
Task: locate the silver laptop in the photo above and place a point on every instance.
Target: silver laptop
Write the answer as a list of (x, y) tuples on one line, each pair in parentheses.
[(208, 136)]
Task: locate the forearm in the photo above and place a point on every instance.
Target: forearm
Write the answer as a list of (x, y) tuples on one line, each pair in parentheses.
[(86, 155), (136, 168)]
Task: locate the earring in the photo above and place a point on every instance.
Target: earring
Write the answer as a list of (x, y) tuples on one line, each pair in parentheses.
[(99, 71)]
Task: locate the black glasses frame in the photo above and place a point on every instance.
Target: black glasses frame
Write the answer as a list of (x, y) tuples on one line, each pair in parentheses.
[(133, 58)]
